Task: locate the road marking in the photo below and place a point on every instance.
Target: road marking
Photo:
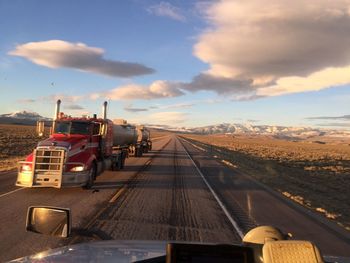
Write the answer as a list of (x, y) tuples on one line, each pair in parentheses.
[(119, 192), (232, 221), (11, 192)]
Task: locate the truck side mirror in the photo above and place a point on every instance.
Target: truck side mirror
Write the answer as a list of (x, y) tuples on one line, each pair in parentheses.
[(40, 128), (53, 221)]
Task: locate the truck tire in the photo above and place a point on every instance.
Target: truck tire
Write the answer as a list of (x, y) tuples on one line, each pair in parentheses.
[(120, 163), (139, 152), (92, 176), (123, 161)]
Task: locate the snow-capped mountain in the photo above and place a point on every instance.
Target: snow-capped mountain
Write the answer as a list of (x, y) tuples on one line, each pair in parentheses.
[(22, 117), (275, 131)]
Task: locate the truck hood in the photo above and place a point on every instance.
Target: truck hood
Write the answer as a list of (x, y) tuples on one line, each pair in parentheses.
[(115, 251), (102, 251), (64, 141)]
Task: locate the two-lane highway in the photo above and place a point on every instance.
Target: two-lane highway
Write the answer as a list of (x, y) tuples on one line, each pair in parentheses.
[(164, 195)]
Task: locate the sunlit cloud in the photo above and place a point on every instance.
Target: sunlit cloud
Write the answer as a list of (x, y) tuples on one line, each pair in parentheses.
[(170, 118), (279, 47), (166, 9), (62, 54), (157, 89)]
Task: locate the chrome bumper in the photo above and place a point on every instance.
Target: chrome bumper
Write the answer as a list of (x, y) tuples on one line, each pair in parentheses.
[(46, 180), (51, 179)]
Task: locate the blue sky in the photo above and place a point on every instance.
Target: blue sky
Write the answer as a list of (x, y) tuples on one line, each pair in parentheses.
[(180, 63)]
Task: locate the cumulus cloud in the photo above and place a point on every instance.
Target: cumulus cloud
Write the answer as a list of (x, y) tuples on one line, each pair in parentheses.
[(62, 54), (258, 49), (157, 89), (168, 117), (219, 84), (316, 81), (166, 9), (279, 47)]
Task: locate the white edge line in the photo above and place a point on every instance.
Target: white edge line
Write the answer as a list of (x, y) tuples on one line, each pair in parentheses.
[(11, 192), (232, 221)]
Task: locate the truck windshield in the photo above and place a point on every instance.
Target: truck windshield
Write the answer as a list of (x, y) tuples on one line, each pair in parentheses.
[(71, 127)]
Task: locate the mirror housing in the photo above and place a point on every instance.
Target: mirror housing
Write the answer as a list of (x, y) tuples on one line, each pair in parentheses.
[(53, 221)]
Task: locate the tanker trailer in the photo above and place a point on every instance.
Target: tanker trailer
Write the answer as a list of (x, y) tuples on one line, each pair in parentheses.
[(143, 138), (125, 135)]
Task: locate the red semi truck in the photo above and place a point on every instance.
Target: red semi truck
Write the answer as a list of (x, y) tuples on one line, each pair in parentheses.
[(78, 150)]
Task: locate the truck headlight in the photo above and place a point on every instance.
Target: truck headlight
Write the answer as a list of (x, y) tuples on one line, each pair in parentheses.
[(77, 168), (26, 168)]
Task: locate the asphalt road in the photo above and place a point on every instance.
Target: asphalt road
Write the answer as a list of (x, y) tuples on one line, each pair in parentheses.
[(162, 196)]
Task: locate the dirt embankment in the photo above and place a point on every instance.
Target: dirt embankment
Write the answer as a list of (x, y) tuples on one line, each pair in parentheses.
[(314, 175)]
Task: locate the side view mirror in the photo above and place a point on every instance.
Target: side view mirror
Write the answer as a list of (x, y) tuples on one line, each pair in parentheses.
[(40, 128), (53, 221)]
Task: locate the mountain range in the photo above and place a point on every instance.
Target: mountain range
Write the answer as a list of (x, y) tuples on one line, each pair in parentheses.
[(282, 132), (22, 117)]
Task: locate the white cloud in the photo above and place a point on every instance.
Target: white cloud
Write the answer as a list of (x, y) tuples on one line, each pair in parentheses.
[(277, 46), (62, 54), (166, 9), (316, 81), (157, 89), (171, 118)]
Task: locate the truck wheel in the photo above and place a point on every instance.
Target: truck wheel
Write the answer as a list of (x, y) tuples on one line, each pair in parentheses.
[(92, 176), (123, 162), (139, 152), (119, 163)]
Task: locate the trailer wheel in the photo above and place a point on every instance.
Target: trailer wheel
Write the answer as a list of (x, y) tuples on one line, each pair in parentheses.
[(92, 176)]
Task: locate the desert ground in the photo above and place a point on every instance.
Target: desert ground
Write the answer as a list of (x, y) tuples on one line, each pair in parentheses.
[(313, 173)]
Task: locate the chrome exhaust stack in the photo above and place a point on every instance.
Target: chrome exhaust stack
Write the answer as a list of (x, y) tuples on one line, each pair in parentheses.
[(57, 110), (104, 110)]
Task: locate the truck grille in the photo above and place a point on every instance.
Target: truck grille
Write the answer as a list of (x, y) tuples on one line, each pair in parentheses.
[(49, 161)]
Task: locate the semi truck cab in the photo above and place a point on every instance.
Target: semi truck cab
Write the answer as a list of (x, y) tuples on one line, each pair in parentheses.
[(77, 150)]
